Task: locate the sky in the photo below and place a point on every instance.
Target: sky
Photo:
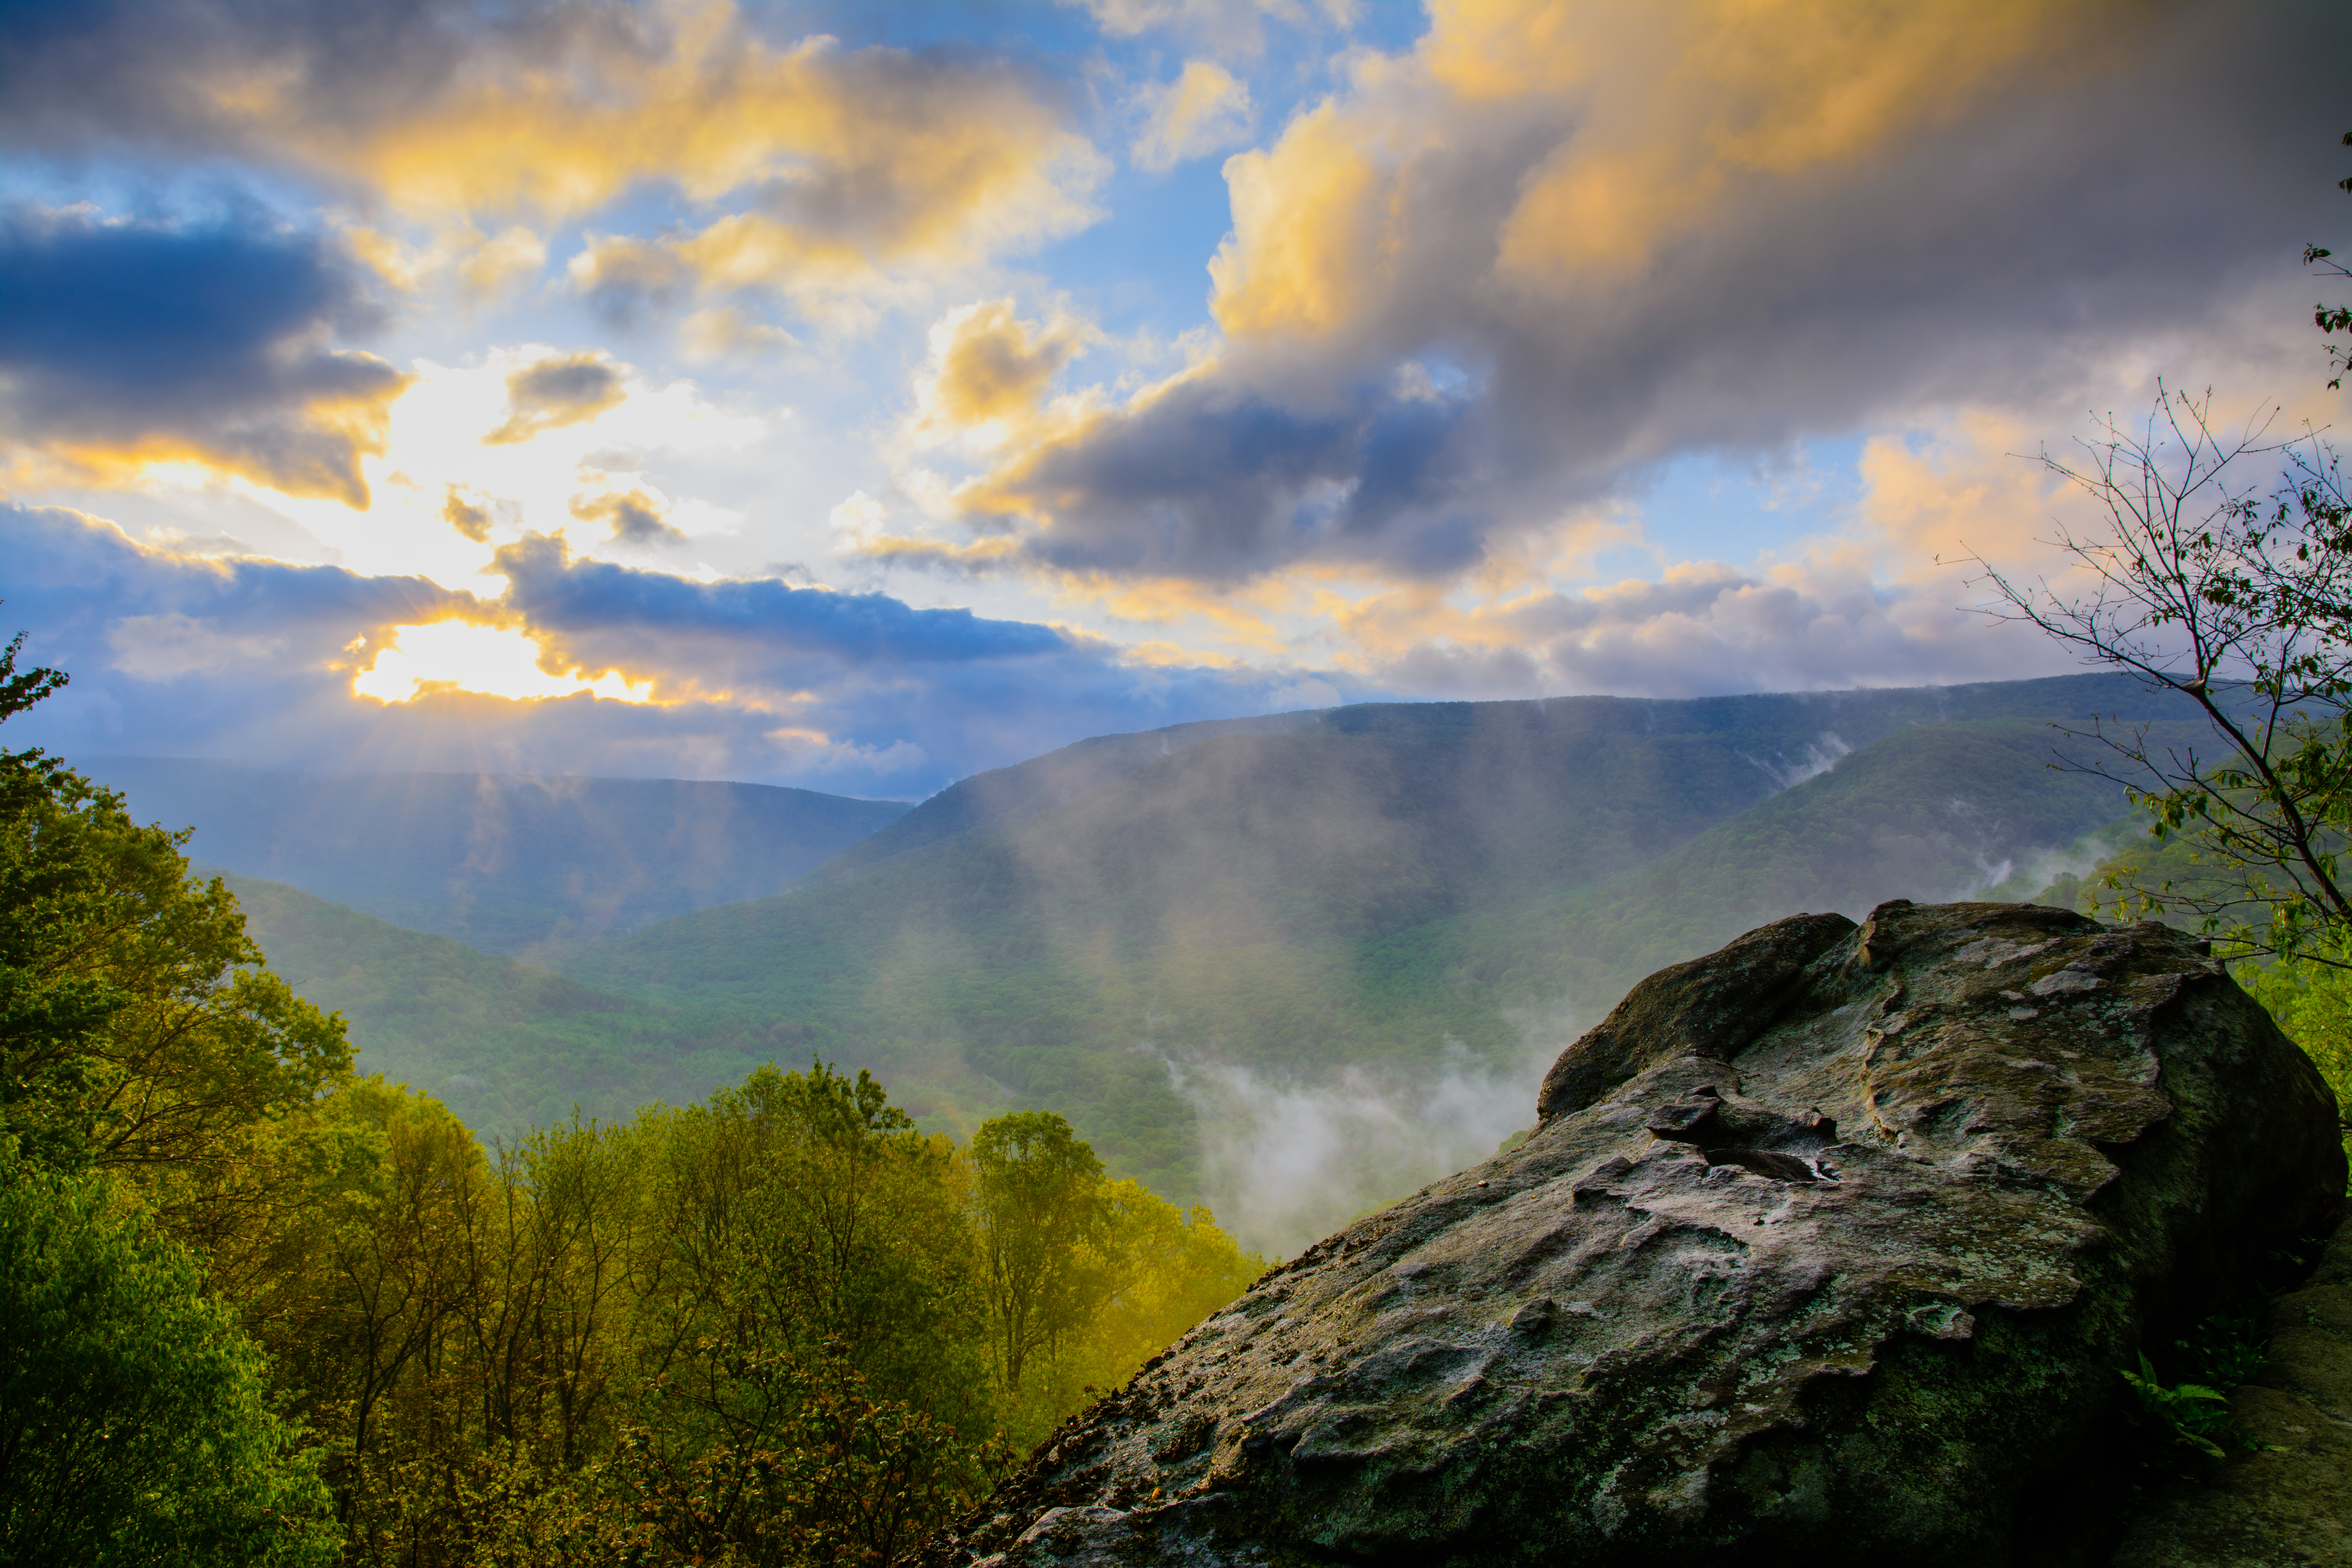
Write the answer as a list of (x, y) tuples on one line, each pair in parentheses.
[(861, 396)]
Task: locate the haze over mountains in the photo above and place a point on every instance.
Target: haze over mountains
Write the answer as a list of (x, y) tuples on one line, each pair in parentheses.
[(507, 864), (1291, 966)]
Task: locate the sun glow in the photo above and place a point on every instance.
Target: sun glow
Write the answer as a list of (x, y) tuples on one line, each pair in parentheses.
[(496, 662)]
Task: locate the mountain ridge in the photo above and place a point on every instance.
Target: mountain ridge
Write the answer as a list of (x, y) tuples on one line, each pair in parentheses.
[(1792, 749), (1237, 955), (518, 864)]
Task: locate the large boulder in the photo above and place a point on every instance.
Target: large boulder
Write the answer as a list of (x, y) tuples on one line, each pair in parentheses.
[(1828, 1247)]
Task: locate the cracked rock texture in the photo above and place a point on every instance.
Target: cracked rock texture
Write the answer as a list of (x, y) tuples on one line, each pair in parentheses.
[(1827, 1247)]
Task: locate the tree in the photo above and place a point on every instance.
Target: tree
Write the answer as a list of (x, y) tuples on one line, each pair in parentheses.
[(135, 1426), (2222, 572), (1041, 1207), (1169, 1268), (138, 1030)]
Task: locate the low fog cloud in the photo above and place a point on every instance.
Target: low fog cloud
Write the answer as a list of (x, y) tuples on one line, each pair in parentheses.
[(1288, 1158)]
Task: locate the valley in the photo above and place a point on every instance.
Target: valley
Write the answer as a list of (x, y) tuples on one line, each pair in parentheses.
[(1237, 955)]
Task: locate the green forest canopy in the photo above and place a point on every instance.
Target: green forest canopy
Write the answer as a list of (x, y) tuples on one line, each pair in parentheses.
[(257, 1308)]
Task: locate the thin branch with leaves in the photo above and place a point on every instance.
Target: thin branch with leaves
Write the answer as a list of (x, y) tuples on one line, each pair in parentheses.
[(2221, 570), (2333, 319)]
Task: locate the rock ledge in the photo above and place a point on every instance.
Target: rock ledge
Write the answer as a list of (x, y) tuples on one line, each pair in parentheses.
[(1827, 1246)]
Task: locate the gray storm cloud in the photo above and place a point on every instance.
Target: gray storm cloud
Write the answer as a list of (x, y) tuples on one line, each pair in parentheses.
[(1436, 360), (124, 341), (816, 168)]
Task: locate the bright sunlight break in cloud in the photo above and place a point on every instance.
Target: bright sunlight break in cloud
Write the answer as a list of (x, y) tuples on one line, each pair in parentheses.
[(860, 396), (460, 655)]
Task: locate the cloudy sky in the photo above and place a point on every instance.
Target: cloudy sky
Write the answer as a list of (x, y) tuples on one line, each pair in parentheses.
[(858, 395)]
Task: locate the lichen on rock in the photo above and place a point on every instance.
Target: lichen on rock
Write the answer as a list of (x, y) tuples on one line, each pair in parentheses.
[(1827, 1246)]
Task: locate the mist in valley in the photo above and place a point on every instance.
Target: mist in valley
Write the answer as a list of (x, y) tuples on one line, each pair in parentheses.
[(1292, 968), (1288, 1158)]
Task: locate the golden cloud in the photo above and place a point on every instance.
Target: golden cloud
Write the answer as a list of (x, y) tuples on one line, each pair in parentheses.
[(1163, 601), (990, 367), (306, 448), (1660, 114), (550, 394), (1205, 109), (636, 518), (911, 550), (1309, 227), (1699, 98), (843, 163), (471, 521)]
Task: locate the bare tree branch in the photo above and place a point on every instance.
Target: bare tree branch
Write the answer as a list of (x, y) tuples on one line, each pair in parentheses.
[(2221, 571)]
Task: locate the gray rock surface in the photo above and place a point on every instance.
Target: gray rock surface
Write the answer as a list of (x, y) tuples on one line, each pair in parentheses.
[(1828, 1247), (2288, 1503)]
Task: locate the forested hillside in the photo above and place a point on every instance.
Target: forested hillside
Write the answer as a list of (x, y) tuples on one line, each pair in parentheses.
[(1780, 739), (504, 864), (1415, 900), (1237, 955), (257, 1309), (501, 1043)]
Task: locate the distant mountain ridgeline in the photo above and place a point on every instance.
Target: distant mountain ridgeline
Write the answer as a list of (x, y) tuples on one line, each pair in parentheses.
[(1363, 929), (1769, 742), (507, 864), (1291, 966)]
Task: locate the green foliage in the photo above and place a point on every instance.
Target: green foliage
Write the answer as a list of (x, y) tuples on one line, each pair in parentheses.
[(845, 1479), (2313, 1003), (2194, 1417), (799, 1219), (135, 1422), (2226, 1351), (755, 1330), (138, 1031), (758, 1330), (1043, 1214)]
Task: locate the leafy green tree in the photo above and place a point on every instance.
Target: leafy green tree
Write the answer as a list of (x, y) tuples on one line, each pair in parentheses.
[(2222, 572), (2313, 1003), (843, 1479), (1169, 1269), (135, 1422), (1043, 1216), (139, 1031), (798, 1212)]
